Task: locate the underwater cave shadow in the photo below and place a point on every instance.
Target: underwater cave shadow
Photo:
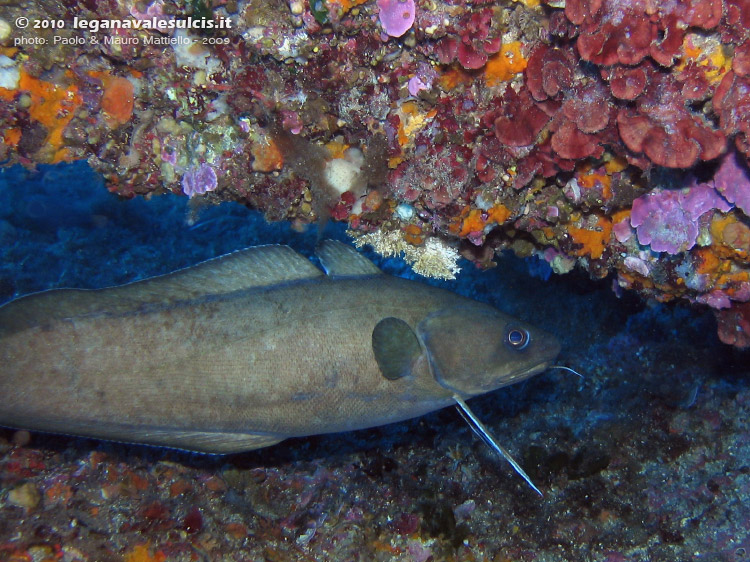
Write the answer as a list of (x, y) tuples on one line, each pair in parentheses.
[(315, 449)]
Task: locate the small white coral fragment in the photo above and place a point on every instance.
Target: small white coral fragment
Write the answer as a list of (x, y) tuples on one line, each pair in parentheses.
[(9, 73), (434, 258), (343, 174)]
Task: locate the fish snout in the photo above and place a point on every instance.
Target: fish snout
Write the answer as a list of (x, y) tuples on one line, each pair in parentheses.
[(473, 350)]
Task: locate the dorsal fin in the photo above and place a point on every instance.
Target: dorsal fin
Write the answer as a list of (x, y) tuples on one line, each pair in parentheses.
[(256, 267), (340, 260), (261, 266)]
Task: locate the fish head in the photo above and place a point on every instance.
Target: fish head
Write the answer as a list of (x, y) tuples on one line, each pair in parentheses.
[(474, 348)]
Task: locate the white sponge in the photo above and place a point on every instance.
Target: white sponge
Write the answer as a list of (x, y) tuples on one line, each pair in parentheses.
[(343, 174)]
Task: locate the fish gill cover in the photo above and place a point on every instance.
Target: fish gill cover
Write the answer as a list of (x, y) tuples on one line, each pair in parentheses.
[(607, 137)]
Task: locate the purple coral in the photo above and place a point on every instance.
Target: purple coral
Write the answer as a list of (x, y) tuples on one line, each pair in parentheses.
[(668, 219), (423, 79), (396, 16), (732, 179), (198, 181)]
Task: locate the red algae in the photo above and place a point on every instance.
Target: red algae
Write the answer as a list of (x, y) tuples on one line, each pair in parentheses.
[(588, 158), (475, 104)]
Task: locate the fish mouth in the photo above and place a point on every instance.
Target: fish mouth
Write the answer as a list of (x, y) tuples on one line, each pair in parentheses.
[(513, 378), (518, 376)]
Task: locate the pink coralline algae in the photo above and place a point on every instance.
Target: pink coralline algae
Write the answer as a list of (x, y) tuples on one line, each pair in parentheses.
[(396, 16), (741, 60), (736, 22), (199, 180), (546, 127), (667, 220), (578, 113), (422, 80), (732, 179), (476, 40), (626, 40)]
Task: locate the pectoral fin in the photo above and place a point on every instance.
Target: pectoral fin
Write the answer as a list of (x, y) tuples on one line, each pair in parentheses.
[(396, 347)]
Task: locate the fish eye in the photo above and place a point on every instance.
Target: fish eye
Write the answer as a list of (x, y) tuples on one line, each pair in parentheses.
[(517, 338)]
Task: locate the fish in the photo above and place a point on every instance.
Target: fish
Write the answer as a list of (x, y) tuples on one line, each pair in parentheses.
[(248, 349)]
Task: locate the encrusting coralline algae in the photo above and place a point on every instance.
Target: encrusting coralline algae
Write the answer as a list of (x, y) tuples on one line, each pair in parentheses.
[(525, 125)]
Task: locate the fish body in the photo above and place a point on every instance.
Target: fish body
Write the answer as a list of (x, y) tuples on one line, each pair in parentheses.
[(246, 350)]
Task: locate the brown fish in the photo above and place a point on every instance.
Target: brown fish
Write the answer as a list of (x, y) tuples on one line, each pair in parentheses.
[(245, 350)]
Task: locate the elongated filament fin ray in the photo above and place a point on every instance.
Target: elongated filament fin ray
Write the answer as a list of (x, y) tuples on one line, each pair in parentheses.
[(479, 428), (564, 368)]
